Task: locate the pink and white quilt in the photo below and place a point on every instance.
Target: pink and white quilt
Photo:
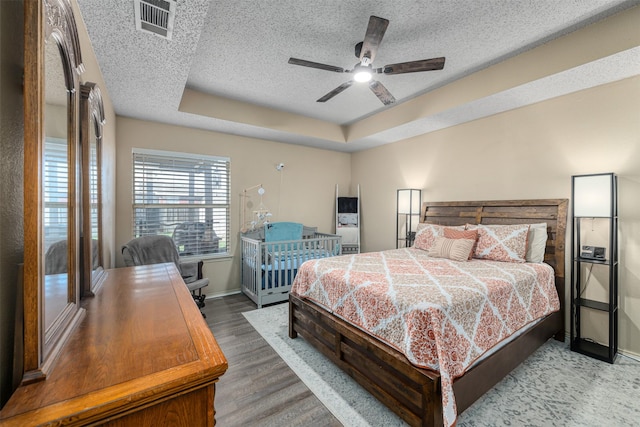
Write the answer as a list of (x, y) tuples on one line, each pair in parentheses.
[(441, 314)]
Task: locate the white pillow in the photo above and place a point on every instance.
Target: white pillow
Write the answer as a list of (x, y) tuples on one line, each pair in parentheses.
[(536, 242)]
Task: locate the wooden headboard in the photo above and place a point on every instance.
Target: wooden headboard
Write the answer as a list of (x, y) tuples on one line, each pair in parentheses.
[(551, 211)]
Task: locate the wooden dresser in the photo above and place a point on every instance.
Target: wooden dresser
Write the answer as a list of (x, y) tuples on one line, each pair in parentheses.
[(142, 356)]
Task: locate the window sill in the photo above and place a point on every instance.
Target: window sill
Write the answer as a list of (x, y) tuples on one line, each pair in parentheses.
[(207, 257)]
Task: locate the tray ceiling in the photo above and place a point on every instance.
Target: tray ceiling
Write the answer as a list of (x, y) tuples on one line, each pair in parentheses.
[(233, 54)]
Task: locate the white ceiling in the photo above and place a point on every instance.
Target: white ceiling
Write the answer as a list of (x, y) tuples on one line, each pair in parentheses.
[(239, 50)]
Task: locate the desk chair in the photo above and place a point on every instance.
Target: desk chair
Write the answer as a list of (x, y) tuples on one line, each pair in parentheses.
[(56, 257), (158, 249)]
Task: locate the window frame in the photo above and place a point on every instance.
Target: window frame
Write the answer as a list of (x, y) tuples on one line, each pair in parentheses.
[(207, 212), (55, 172)]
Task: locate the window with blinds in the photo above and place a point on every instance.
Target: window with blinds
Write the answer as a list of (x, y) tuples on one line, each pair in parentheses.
[(55, 191), (183, 196), (94, 195)]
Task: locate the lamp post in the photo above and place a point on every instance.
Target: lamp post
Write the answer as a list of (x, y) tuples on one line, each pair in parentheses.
[(407, 216)]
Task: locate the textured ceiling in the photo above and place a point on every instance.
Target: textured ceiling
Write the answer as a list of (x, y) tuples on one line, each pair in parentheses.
[(238, 50)]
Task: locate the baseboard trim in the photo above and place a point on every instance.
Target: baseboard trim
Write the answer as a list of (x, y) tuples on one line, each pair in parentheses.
[(630, 355), (223, 294), (624, 353)]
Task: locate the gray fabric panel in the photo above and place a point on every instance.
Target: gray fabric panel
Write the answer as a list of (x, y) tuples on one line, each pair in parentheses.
[(150, 250), (158, 249), (55, 260)]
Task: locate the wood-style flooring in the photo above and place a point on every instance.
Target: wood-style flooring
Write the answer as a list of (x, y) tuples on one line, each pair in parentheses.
[(258, 389)]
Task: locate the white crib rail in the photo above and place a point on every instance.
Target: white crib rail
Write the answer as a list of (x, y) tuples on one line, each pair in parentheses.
[(268, 268)]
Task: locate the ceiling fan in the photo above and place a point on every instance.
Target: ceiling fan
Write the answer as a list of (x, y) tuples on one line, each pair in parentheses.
[(363, 71)]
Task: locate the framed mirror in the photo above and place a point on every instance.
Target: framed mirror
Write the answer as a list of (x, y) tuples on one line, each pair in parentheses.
[(91, 127), (51, 272)]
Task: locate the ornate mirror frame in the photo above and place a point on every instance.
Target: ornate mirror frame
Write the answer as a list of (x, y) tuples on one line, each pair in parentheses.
[(92, 121), (51, 20)]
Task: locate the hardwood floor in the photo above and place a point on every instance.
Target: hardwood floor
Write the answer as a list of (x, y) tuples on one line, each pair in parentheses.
[(258, 389)]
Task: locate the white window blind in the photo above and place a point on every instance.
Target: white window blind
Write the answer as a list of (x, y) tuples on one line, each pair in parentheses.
[(93, 188), (182, 196), (56, 191)]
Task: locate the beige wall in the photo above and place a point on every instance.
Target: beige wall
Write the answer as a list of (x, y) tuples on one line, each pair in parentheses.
[(303, 192), (93, 74), (11, 185), (610, 36), (530, 152), (11, 168)]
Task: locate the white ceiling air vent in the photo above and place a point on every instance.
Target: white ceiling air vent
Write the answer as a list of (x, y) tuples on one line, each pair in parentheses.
[(155, 16)]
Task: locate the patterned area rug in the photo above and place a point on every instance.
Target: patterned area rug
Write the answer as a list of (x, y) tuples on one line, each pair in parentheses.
[(553, 387)]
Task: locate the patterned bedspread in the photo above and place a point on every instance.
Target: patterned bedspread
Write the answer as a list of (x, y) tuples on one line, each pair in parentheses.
[(441, 314)]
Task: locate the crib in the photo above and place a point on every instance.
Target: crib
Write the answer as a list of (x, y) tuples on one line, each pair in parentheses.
[(269, 267)]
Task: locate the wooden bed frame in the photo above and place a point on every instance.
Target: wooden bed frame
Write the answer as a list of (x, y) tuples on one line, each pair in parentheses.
[(414, 393)]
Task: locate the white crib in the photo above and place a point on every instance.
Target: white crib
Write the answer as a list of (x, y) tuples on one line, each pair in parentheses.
[(268, 268)]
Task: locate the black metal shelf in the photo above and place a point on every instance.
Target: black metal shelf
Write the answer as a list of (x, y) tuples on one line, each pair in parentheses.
[(595, 261), (407, 216), (596, 305), (593, 349), (581, 331), (592, 261)]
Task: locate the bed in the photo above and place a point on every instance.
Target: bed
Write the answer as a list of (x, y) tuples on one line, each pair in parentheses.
[(269, 267), (417, 394)]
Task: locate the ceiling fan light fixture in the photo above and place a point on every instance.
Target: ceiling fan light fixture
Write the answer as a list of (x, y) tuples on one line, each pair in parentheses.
[(362, 74), (363, 71)]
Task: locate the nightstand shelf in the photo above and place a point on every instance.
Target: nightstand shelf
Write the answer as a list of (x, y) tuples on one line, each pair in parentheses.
[(596, 305), (593, 261), (594, 322), (592, 349)]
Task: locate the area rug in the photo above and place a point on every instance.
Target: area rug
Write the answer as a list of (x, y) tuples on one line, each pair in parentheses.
[(553, 387)]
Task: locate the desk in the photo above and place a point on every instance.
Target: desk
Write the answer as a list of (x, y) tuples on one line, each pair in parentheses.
[(56, 289), (142, 356)]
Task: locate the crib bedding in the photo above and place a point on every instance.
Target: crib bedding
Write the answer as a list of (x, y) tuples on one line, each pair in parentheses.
[(268, 267), (276, 261), (441, 314), (293, 259), (283, 267)]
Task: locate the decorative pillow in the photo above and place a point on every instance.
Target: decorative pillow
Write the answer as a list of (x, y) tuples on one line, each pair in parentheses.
[(506, 243), (537, 242), (426, 235), (455, 249), (455, 233)]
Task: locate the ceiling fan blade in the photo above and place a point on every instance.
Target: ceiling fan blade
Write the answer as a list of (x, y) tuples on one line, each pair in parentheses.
[(336, 91), (381, 92), (304, 63), (413, 66), (373, 37)]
